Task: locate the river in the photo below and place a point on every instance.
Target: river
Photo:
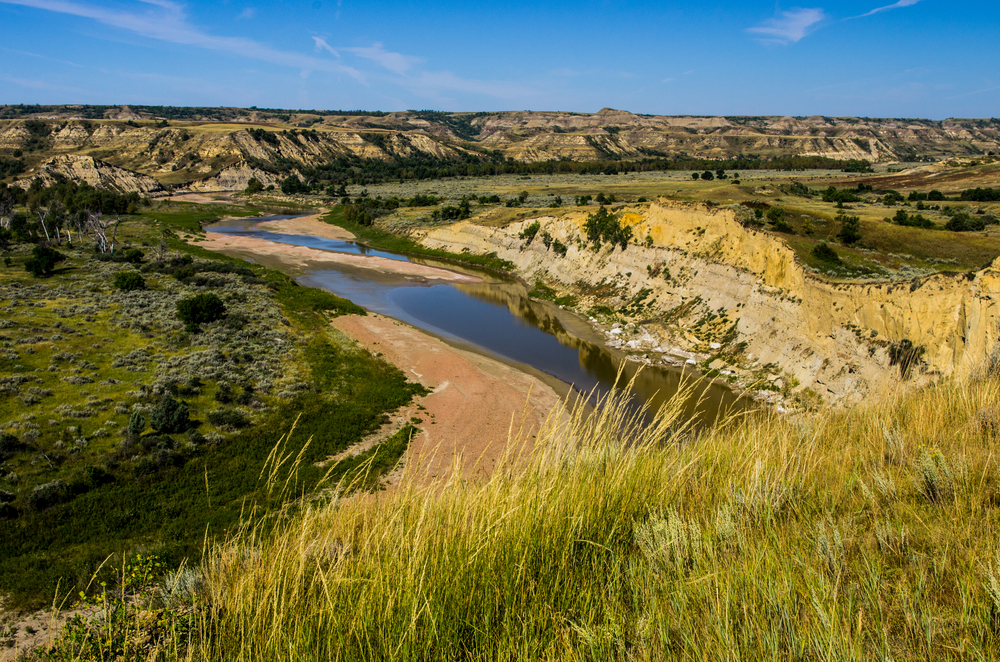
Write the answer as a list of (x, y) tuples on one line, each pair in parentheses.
[(497, 317)]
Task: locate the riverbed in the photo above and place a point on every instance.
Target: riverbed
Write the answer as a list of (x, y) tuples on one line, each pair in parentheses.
[(475, 309)]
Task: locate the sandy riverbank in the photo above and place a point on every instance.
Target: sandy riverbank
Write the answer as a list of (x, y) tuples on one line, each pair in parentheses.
[(474, 403), (289, 257), (307, 225), (475, 399)]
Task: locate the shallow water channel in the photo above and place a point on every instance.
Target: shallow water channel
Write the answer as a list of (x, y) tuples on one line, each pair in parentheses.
[(498, 318)]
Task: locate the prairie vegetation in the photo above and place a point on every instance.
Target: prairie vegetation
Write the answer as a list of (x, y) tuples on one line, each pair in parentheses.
[(141, 389), (866, 533)]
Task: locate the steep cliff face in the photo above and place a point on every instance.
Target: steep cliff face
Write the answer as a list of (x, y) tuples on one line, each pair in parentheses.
[(708, 285), (234, 178), (96, 173)]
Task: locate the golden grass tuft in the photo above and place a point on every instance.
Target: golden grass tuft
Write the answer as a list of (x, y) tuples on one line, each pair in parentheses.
[(813, 537)]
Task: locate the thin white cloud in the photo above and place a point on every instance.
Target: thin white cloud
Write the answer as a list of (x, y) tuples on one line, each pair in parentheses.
[(247, 14), (35, 84), (321, 45), (445, 80), (790, 26), (428, 84), (43, 57), (169, 24), (397, 63), (895, 5)]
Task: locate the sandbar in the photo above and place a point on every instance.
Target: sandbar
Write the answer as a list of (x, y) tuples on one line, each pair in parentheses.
[(286, 256), (475, 400)]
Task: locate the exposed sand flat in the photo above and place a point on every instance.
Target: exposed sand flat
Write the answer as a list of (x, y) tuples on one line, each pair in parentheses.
[(475, 398), (300, 257), (307, 225)]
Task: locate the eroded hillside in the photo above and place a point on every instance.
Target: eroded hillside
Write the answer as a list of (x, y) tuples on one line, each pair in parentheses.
[(704, 290), (221, 149)]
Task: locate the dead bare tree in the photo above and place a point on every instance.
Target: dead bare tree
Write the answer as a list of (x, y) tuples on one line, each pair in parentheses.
[(98, 228), (6, 210), (43, 215)]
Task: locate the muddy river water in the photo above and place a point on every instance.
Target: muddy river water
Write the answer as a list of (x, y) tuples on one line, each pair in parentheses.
[(496, 317)]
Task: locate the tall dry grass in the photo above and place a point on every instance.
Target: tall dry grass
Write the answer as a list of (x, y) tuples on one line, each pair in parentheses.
[(863, 534)]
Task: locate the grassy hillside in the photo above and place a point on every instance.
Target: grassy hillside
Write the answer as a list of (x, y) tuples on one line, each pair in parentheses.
[(868, 533), (82, 361)]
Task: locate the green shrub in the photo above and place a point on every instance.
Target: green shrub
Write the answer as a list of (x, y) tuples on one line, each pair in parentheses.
[(9, 444), (200, 309), (528, 233), (170, 416), (43, 261), (128, 281), (47, 494), (822, 251), (253, 186), (228, 418)]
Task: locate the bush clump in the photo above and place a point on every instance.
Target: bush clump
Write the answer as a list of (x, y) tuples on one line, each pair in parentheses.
[(822, 251), (170, 416), (129, 281), (200, 309), (228, 418), (43, 261)]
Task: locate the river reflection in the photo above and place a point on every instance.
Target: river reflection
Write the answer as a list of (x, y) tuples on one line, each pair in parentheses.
[(498, 316)]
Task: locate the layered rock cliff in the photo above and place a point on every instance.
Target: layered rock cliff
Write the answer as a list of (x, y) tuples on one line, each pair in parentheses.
[(96, 173), (709, 286), (196, 149)]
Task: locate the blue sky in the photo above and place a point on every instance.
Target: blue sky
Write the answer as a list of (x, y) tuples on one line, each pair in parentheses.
[(876, 58)]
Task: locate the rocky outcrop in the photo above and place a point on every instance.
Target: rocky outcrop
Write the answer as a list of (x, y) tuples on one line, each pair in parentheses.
[(235, 178), (94, 172), (184, 153), (708, 285)]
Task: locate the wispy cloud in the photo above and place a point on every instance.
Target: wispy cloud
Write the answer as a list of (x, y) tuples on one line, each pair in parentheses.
[(397, 63), (429, 83), (43, 57), (35, 84), (789, 26), (169, 23), (247, 14), (895, 5), (321, 45)]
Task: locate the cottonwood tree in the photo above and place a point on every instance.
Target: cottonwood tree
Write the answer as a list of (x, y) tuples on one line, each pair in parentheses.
[(97, 227)]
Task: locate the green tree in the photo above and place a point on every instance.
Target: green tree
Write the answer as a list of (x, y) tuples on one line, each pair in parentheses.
[(695, 175), (253, 186), (136, 426), (292, 185), (43, 261), (850, 229), (707, 176)]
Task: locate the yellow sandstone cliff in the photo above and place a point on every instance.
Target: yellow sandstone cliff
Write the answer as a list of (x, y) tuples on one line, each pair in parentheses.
[(834, 338)]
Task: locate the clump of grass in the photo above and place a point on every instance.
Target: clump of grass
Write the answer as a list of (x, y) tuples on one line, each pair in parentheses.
[(605, 539)]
